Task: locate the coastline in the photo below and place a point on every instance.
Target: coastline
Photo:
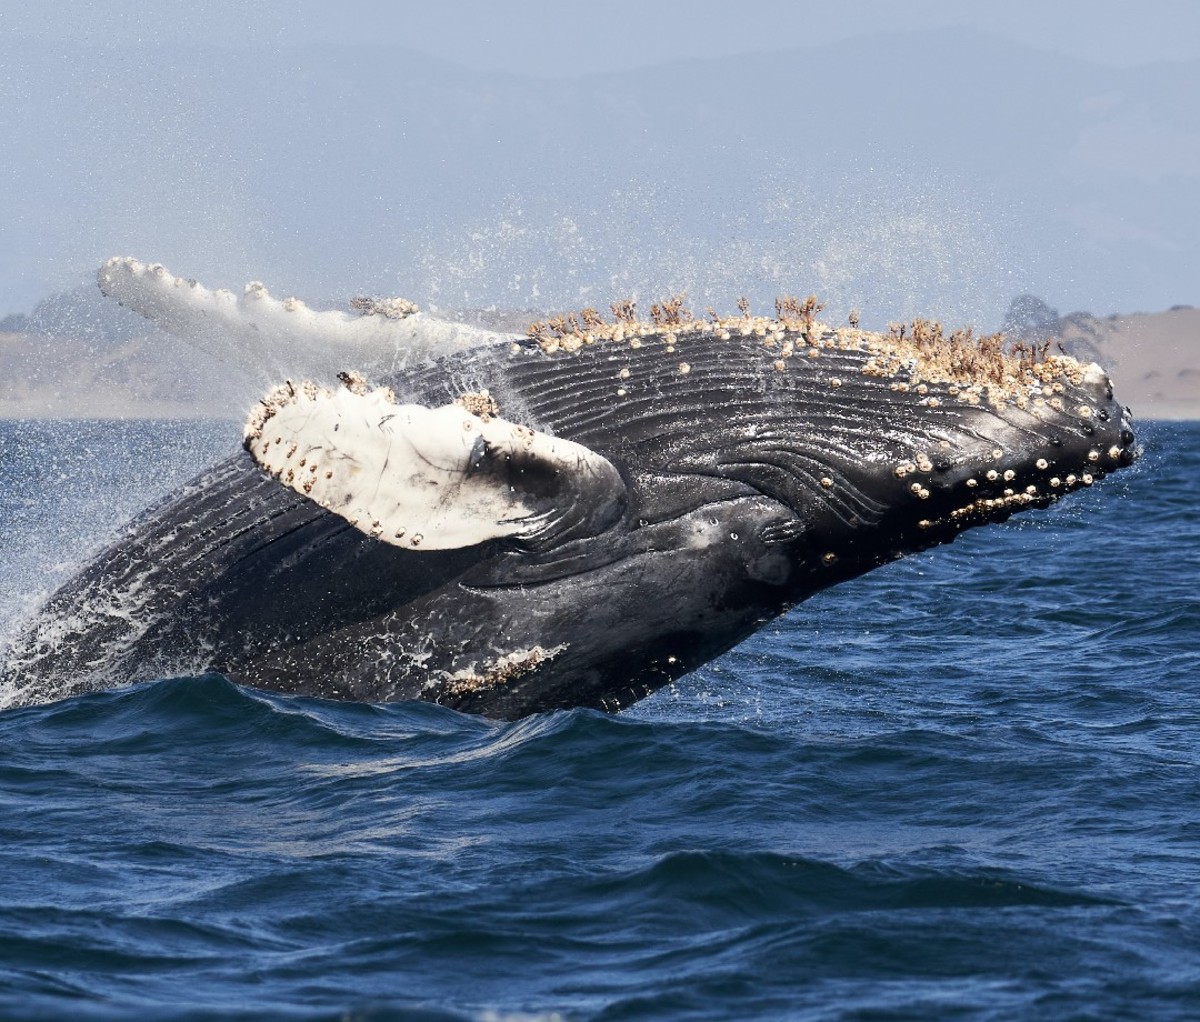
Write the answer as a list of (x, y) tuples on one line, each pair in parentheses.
[(1153, 360), (116, 408)]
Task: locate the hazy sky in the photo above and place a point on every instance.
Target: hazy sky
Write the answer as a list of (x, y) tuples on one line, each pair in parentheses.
[(563, 38), (322, 152)]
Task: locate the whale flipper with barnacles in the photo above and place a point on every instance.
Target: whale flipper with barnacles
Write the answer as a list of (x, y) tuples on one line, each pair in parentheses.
[(431, 478)]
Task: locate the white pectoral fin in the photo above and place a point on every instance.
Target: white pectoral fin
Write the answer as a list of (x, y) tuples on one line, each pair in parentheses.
[(430, 478), (258, 331)]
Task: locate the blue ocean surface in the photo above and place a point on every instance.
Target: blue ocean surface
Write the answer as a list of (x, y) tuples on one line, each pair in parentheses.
[(966, 786)]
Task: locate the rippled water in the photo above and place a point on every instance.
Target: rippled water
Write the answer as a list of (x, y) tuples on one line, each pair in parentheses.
[(963, 787)]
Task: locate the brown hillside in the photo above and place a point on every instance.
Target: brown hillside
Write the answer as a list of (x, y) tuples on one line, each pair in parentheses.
[(146, 377), (1153, 358)]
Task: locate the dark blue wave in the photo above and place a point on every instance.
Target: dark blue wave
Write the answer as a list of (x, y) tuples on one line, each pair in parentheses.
[(962, 787)]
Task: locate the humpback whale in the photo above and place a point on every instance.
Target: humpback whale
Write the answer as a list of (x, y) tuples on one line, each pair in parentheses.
[(572, 517)]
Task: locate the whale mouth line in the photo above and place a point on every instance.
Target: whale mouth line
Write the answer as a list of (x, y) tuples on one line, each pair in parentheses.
[(596, 553)]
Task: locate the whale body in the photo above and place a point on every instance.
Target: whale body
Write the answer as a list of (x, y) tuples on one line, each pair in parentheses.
[(573, 518)]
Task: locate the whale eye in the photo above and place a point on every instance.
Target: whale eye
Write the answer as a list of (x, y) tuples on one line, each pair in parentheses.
[(480, 450)]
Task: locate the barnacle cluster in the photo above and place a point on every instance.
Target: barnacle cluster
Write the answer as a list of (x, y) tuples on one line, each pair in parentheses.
[(499, 672), (915, 356), (389, 308), (479, 403)]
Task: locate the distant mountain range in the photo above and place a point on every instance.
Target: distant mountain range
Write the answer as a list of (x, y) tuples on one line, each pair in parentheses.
[(935, 173), (80, 355)]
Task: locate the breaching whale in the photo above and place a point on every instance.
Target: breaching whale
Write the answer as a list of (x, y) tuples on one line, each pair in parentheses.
[(569, 518)]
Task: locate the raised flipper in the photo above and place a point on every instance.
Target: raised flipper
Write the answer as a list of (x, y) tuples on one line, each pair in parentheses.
[(431, 478), (262, 333)]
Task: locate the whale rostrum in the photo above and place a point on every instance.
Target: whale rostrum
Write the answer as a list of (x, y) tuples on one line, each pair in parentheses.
[(569, 518)]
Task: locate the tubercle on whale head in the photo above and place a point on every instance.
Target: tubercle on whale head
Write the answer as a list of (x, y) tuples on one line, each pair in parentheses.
[(1003, 456)]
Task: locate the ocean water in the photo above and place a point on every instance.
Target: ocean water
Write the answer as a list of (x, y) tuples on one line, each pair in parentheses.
[(966, 786)]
